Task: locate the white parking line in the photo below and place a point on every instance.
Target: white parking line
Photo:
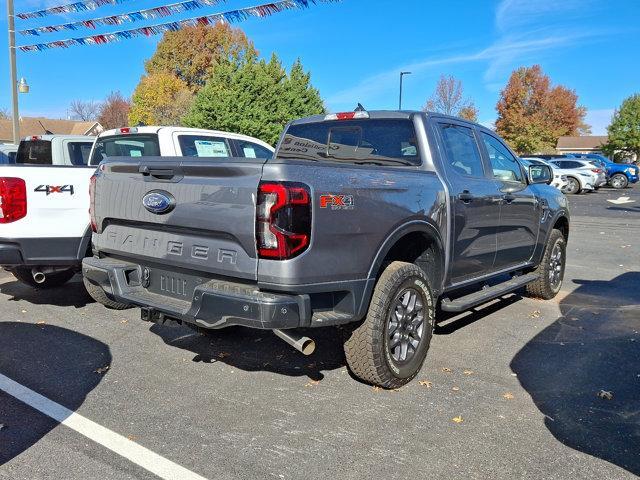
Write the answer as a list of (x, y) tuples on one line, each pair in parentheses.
[(124, 447)]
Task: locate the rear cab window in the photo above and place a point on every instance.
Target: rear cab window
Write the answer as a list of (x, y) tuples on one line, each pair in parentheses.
[(134, 145), (79, 152), (203, 146), (34, 152), (389, 142), (248, 149)]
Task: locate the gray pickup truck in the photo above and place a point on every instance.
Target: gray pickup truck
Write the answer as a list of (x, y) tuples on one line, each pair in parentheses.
[(373, 219)]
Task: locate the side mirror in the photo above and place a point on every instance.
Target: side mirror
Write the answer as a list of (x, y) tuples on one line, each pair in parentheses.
[(540, 174)]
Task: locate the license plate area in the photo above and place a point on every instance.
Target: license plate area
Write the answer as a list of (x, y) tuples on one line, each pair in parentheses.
[(172, 284)]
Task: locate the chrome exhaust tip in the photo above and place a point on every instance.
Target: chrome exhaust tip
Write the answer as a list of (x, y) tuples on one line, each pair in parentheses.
[(304, 345), (38, 276)]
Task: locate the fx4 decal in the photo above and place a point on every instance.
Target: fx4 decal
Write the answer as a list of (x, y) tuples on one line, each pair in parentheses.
[(337, 202), (49, 189)]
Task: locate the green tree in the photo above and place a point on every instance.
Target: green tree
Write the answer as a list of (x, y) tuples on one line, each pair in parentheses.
[(191, 53), (254, 97), (159, 98), (624, 131), (533, 114)]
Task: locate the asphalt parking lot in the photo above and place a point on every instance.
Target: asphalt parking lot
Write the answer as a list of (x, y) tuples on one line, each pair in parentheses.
[(507, 391)]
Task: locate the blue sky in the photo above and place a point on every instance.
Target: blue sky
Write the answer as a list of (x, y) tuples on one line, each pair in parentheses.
[(355, 49)]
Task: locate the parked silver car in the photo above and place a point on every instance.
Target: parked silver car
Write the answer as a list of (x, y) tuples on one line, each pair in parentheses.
[(583, 166)]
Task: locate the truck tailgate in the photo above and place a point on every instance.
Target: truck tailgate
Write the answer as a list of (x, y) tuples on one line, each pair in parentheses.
[(57, 201), (210, 227)]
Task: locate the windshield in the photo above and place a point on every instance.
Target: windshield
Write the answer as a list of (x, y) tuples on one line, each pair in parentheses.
[(36, 152), (139, 145), (377, 142)]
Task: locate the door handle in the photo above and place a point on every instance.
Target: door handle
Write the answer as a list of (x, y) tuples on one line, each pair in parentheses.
[(466, 196), (508, 197)]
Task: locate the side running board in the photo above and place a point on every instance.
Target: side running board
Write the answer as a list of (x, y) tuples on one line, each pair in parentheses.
[(486, 294)]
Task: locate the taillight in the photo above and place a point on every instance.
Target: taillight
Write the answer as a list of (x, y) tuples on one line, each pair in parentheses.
[(13, 199), (92, 202), (347, 115), (596, 170), (283, 220)]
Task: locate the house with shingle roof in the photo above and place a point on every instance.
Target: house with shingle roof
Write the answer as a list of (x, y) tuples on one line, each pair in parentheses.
[(30, 126), (581, 144)]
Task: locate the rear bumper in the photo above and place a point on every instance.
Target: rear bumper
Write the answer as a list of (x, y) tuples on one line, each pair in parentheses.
[(214, 304), (15, 252)]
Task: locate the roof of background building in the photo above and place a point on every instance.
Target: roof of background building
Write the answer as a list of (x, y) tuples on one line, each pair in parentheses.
[(31, 126), (586, 141)]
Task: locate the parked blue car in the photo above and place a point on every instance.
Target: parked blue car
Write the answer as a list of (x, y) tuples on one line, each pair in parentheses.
[(620, 175)]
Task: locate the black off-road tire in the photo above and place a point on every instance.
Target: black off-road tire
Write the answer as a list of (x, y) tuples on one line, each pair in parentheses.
[(367, 348), (99, 296), (52, 280), (544, 287)]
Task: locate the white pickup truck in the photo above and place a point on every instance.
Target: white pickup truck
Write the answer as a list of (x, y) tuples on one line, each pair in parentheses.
[(44, 198)]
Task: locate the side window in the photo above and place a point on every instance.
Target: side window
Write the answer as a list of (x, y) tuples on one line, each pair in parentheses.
[(504, 165), (461, 150), (203, 146), (79, 152), (252, 150)]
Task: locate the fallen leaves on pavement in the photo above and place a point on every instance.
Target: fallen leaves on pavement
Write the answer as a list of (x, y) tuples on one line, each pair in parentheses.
[(457, 419), (446, 370), (455, 389), (102, 370), (312, 383), (468, 372), (41, 322), (508, 396), (605, 395), (535, 314), (426, 383)]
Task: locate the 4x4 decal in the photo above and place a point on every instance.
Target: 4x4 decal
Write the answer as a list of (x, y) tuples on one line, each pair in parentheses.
[(49, 189)]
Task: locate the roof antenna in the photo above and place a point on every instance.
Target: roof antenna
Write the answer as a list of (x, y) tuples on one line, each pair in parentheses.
[(360, 108), (46, 132)]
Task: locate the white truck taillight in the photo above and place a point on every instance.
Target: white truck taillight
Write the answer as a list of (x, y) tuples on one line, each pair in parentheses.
[(283, 220), (13, 199), (92, 203)]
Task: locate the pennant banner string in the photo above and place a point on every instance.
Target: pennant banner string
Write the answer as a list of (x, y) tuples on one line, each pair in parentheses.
[(69, 8), (231, 16), (140, 15)]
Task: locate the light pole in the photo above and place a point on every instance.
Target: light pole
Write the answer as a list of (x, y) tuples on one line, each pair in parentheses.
[(402, 74), (24, 88)]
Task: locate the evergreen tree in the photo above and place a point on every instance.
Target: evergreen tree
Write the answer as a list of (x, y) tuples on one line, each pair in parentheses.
[(624, 131), (254, 97)]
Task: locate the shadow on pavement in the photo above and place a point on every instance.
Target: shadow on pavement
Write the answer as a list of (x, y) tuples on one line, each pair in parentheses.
[(71, 294), (258, 350), (594, 346), (55, 362)]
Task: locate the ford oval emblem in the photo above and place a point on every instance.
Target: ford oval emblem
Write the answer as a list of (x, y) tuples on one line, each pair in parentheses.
[(159, 202)]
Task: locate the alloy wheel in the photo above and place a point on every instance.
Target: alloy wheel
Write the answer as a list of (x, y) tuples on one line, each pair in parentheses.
[(405, 326), (556, 266)]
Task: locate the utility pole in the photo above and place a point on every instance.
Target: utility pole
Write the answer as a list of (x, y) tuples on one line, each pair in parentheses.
[(12, 71), (402, 74)]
